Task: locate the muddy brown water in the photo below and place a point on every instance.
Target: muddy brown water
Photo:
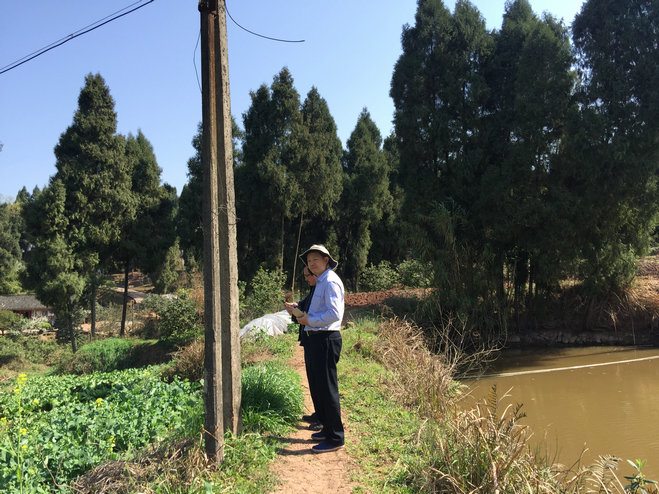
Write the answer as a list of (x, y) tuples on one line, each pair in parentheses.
[(602, 399)]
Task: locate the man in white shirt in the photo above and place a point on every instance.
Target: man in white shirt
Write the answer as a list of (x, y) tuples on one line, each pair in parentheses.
[(322, 323)]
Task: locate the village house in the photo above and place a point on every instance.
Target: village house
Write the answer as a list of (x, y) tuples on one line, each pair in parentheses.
[(26, 305)]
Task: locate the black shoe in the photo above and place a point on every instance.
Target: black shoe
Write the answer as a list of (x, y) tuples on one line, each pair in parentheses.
[(325, 447), (318, 436), (310, 418), (316, 426)]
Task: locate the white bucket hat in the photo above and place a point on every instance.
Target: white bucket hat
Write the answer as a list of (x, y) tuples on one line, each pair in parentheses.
[(323, 250)]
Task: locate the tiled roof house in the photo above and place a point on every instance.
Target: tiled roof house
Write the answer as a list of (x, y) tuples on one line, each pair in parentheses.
[(26, 305)]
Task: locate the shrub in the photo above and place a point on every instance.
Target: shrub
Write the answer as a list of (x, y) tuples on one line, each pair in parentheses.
[(380, 277), (149, 312), (166, 276), (414, 274), (40, 351), (98, 356), (10, 321), (40, 324), (11, 351), (154, 303), (180, 323), (19, 351), (265, 294), (188, 362)]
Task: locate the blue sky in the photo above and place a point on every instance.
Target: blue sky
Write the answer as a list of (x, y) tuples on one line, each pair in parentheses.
[(148, 58)]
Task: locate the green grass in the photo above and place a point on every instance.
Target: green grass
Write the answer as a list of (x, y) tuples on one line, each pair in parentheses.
[(264, 348), (383, 433), (272, 399)]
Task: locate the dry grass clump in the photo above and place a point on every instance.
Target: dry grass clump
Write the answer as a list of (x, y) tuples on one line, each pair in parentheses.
[(481, 450), (420, 379), (649, 266), (188, 362), (181, 463), (478, 450), (424, 367)]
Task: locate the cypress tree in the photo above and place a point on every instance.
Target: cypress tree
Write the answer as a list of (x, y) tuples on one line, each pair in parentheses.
[(93, 170), (315, 174), (612, 157), (55, 268), (366, 196), (149, 232), (264, 185), (11, 226)]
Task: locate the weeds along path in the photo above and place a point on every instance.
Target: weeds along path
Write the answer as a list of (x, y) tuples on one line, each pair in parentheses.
[(298, 468)]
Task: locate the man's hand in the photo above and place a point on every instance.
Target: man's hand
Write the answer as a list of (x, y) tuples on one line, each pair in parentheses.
[(290, 307), (303, 319)]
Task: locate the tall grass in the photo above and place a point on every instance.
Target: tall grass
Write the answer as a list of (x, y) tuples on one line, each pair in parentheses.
[(17, 353), (272, 398)]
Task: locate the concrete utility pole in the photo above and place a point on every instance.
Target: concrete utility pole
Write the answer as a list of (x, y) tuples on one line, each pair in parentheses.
[(222, 387)]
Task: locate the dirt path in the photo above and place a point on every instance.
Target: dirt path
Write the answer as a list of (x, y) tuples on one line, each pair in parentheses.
[(299, 469)]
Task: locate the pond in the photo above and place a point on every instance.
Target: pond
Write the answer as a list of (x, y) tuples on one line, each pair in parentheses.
[(601, 399)]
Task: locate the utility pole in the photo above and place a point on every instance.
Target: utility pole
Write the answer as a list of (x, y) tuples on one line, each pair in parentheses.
[(222, 386)]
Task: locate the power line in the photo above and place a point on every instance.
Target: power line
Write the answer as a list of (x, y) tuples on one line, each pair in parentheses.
[(194, 53), (194, 61), (261, 35), (90, 27)]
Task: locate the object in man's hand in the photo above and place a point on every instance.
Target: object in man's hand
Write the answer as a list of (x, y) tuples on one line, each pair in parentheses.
[(297, 312), (294, 310)]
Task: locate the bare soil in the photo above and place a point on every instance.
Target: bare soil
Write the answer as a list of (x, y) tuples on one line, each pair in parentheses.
[(366, 299)]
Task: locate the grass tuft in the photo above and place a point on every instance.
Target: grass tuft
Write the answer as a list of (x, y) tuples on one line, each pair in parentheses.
[(272, 398)]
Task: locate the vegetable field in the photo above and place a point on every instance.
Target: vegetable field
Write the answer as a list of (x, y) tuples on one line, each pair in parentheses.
[(54, 428)]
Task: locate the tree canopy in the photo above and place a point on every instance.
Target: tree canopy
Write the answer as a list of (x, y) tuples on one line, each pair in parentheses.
[(520, 158)]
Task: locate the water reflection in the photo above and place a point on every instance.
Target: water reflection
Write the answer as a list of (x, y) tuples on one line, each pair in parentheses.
[(608, 409)]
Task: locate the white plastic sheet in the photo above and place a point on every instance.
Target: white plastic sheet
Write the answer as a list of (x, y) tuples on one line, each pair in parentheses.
[(269, 324)]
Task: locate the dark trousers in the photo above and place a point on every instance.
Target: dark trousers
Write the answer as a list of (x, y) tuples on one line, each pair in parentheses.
[(307, 366), (324, 349)]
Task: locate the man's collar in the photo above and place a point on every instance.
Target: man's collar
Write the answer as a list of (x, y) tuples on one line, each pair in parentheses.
[(324, 275)]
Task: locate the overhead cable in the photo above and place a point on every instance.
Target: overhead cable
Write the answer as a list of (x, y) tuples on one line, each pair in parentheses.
[(95, 25), (261, 35)]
